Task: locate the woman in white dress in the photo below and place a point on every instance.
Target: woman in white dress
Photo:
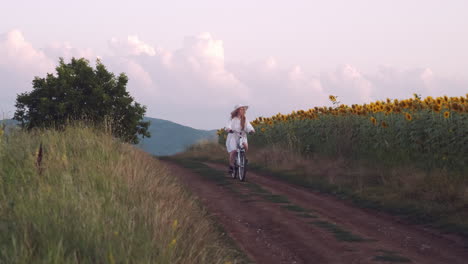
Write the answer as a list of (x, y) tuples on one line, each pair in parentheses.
[(238, 123)]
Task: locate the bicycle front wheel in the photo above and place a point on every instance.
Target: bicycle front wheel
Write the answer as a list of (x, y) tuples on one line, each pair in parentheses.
[(242, 167)]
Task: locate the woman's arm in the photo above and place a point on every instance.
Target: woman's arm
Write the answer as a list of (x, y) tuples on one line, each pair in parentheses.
[(228, 126), (249, 127)]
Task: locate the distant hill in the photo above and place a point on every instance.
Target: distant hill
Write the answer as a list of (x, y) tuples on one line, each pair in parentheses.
[(167, 137)]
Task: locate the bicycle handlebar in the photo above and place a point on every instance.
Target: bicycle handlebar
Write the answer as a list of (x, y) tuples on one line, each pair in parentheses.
[(240, 132)]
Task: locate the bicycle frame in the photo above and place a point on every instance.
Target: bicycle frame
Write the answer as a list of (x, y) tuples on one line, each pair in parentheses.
[(240, 166)]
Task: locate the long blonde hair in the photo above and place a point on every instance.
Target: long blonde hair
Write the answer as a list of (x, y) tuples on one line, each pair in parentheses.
[(242, 118)]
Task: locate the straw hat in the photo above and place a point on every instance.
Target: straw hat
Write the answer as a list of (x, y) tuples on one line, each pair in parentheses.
[(237, 106)]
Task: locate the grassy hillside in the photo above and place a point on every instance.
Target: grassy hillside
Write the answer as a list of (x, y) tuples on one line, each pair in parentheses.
[(168, 138), (91, 199)]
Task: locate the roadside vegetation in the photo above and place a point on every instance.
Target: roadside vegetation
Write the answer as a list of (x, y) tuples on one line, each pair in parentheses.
[(81, 196)]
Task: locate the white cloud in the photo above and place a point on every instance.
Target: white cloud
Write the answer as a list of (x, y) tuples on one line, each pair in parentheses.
[(131, 46), (19, 63), (18, 54), (348, 83), (195, 85), (56, 50)]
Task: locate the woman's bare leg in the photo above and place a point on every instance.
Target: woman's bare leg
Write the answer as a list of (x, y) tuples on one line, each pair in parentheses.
[(232, 157)]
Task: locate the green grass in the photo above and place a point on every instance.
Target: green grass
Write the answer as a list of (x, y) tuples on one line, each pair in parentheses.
[(294, 208), (390, 256), (96, 200), (276, 198), (338, 232), (307, 215)]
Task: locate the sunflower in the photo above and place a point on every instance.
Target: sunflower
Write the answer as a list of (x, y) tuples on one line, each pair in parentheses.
[(446, 114), (408, 116), (388, 108), (373, 120), (332, 98), (384, 124), (263, 129)]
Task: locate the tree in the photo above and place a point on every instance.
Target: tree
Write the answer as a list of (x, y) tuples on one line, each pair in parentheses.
[(79, 92)]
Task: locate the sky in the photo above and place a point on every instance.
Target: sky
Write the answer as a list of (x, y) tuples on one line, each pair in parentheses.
[(191, 61)]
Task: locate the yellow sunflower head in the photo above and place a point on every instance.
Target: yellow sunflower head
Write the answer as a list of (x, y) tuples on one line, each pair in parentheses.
[(408, 116), (446, 114)]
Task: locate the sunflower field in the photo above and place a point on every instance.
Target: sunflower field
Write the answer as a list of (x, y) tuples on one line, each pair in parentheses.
[(427, 133)]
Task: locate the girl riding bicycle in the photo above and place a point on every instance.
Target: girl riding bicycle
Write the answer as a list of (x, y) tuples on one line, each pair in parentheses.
[(237, 124)]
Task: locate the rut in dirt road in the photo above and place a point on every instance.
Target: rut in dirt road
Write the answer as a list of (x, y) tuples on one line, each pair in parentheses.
[(274, 222)]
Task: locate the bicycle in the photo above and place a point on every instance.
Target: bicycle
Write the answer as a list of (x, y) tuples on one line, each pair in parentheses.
[(240, 163)]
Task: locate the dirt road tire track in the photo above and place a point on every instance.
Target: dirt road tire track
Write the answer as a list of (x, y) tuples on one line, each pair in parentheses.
[(268, 233)]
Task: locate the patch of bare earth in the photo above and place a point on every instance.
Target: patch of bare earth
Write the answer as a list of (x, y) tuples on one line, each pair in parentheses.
[(270, 233)]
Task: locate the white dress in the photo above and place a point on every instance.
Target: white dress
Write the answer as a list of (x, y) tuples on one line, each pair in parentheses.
[(233, 138)]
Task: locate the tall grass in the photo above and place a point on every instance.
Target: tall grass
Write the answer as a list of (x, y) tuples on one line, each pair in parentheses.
[(93, 199)]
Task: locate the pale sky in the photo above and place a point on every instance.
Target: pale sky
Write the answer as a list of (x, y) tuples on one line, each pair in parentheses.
[(191, 61)]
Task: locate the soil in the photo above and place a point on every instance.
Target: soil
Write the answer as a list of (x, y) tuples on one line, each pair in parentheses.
[(312, 227)]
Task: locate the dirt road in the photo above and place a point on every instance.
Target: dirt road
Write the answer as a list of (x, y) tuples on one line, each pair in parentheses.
[(274, 222)]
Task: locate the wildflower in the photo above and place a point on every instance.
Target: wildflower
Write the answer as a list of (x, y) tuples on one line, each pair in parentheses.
[(446, 114), (408, 116), (64, 159), (173, 242), (111, 258)]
